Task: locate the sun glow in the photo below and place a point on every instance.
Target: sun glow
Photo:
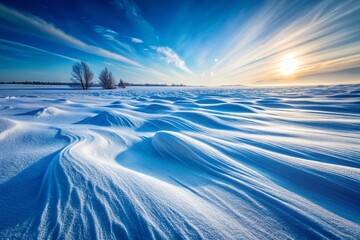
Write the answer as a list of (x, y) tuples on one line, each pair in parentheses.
[(288, 66)]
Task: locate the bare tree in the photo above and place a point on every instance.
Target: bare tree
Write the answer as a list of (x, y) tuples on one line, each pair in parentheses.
[(107, 81), (82, 75), (122, 84)]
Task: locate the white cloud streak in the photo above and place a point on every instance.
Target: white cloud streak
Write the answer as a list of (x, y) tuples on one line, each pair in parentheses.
[(171, 57), (35, 26), (113, 36), (103, 30), (133, 13), (322, 39), (22, 46), (136, 40)]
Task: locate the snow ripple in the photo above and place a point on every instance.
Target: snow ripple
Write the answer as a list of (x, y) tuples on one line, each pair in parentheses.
[(197, 163)]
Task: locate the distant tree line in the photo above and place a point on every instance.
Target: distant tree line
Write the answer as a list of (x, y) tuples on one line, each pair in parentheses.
[(37, 83), (83, 77), (154, 85), (120, 85)]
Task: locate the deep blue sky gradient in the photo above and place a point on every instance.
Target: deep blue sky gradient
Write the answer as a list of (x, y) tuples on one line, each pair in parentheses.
[(191, 42)]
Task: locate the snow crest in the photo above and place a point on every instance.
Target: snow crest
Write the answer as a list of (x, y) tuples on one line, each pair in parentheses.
[(181, 163)]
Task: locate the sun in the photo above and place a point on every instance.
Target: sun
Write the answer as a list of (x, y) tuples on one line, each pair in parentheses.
[(289, 66)]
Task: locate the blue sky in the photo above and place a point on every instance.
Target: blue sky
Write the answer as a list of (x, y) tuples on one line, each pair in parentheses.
[(189, 42)]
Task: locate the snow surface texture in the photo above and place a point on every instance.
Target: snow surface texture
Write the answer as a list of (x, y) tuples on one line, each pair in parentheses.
[(180, 163)]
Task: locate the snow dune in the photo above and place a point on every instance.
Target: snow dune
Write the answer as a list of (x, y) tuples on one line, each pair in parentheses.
[(180, 163)]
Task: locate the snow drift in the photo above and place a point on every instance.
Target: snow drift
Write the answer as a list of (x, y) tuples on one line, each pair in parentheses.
[(176, 163)]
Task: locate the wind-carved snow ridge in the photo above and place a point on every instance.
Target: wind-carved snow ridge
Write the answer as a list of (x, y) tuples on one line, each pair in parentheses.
[(181, 163), (44, 112), (110, 118)]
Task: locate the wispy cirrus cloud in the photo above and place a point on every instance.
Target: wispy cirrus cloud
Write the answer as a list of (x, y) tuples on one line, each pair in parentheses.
[(35, 26), (323, 39), (136, 40), (103, 30), (112, 36), (171, 57), (4, 45), (227, 47), (133, 13)]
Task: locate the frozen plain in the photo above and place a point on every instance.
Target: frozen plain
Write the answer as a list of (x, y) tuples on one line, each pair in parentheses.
[(180, 163)]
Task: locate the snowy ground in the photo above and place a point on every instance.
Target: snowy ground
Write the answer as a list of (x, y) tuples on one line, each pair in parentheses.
[(177, 163)]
